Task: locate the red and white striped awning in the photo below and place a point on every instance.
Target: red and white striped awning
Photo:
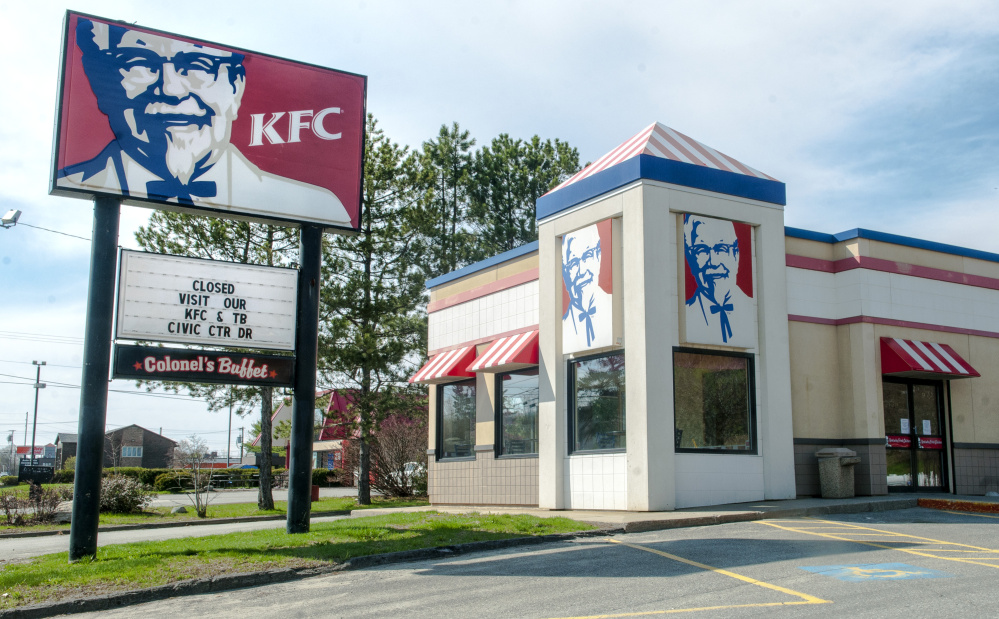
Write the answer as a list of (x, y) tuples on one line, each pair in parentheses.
[(507, 353), (658, 140), (915, 359), (446, 367)]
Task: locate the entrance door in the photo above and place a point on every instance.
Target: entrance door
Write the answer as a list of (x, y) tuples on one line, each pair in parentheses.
[(914, 435)]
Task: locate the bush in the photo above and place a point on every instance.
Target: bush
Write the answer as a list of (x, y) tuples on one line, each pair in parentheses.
[(9, 480), (38, 507), (69, 464), (322, 477), (173, 481), (64, 476), (123, 495)]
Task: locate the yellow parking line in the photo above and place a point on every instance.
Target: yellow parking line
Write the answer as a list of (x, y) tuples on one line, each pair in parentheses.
[(923, 540), (805, 598), (811, 599)]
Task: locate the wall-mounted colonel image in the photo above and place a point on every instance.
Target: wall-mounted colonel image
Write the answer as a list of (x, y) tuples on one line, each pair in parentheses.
[(720, 308), (587, 277), (171, 106)]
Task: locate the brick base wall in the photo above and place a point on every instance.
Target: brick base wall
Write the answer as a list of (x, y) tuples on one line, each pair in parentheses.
[(486, 480), (870, 476), (976, 471)]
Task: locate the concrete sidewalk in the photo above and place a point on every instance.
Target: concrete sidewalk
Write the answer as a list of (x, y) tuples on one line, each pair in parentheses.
[(631, 522)]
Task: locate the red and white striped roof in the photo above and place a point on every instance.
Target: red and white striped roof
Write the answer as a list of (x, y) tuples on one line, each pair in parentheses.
[(514, 350), (446, 366), (913, 358), (659, 140)]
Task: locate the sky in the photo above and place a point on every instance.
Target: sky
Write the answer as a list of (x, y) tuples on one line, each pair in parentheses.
[(877, 115)]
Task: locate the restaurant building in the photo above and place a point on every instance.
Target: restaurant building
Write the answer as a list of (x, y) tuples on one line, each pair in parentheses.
[(668, 342)]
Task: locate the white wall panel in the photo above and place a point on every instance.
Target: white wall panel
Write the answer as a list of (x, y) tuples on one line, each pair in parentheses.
[(484, 317), (597, 481), (715, 479), (893, 296)]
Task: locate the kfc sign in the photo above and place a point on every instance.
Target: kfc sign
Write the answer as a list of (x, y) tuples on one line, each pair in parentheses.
[(179, 124)]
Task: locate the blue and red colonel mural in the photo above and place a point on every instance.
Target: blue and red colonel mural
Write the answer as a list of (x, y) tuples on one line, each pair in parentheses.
[(155, 117), (718, 282)]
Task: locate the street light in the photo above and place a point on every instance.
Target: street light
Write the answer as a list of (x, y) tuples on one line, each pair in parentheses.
[(38, 385), (10, 218)]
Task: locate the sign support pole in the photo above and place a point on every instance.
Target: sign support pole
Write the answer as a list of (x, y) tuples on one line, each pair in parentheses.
[(304, 401), (94, 384)]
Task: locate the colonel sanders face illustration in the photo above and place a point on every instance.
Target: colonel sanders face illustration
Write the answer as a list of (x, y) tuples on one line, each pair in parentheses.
[(712, 252), (581, 265), (171, 104)]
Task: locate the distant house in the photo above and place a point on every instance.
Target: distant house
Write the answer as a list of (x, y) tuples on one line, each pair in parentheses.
[(329, 431), (65, 448), (136, 446)]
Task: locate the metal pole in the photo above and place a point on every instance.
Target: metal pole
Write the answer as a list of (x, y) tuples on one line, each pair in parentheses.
[(94, 383), (34, 423), (228, 436), (304, 400)]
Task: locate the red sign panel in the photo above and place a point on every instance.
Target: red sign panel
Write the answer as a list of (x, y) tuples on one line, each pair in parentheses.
[(201, 366), (930, 442), (898, 441), (154, 117)]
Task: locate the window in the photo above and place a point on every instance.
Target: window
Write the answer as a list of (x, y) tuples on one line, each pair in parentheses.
[(517, 412), (596, 403), (456, 420), (713, 401), (131, 452)]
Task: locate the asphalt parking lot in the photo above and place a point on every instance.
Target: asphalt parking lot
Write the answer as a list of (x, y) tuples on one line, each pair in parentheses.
[(905, 563)]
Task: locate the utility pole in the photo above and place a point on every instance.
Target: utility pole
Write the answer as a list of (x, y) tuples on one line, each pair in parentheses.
[(228, 436), (34, 424), (240, 441)]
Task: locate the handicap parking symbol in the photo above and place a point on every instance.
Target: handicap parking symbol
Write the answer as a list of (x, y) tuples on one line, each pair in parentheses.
[(876, 571)]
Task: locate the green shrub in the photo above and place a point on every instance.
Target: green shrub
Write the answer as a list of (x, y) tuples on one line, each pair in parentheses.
[(63, 476), (9, 480), (321, 477), (69, 464), (123, 495), (173, 481)]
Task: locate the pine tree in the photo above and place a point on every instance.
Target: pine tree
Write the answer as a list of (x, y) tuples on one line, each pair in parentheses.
[(372, 324)]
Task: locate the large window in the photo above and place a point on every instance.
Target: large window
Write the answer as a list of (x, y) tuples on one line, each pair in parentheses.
[(456, 420), (517, 413), (131, 452), (713, 401), (596, 402)]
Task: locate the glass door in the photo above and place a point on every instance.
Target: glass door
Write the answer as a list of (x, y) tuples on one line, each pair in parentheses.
[(914, 435)]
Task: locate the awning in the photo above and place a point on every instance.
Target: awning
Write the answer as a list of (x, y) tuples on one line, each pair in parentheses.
[(507, 353), (915, 359), (446, 367)]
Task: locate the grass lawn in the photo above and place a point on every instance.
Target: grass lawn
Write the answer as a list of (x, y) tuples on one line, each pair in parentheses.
[(235, 510), (126, 567)]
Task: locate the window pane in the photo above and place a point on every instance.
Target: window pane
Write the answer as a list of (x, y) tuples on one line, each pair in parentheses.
[(930, 468), (896, 408), (598, 403), (899, 467), (926, 412), (457, 419), (519, 412), (712, 403)]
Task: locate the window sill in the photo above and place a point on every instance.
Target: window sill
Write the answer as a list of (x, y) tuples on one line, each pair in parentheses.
[(457, 459), (515, 456), (597, 452)]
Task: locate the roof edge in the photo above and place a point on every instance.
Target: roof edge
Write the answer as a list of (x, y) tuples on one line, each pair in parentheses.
[(464, 271), (894, 239)]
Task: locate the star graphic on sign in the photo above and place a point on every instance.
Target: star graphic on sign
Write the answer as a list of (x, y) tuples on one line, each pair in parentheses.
[(138, 365), (273, 374)]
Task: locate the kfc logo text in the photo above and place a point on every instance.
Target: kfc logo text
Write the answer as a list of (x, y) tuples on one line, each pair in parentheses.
[(297, 121)]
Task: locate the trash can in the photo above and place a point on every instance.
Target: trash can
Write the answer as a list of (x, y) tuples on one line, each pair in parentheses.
[(315, 493), (836, 472)]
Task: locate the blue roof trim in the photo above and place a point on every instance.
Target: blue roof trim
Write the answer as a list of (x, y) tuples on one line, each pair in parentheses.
[(895, 239), (664, 170), (517, 252)]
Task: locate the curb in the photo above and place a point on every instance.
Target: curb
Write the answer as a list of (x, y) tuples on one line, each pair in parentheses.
[(230, 582), (980, 507), (170, 525)]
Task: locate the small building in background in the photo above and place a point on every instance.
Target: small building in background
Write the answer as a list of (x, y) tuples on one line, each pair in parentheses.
[(136, 446)]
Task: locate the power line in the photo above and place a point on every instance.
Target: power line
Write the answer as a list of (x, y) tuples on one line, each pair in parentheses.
[(21, 223), (41, 337)]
